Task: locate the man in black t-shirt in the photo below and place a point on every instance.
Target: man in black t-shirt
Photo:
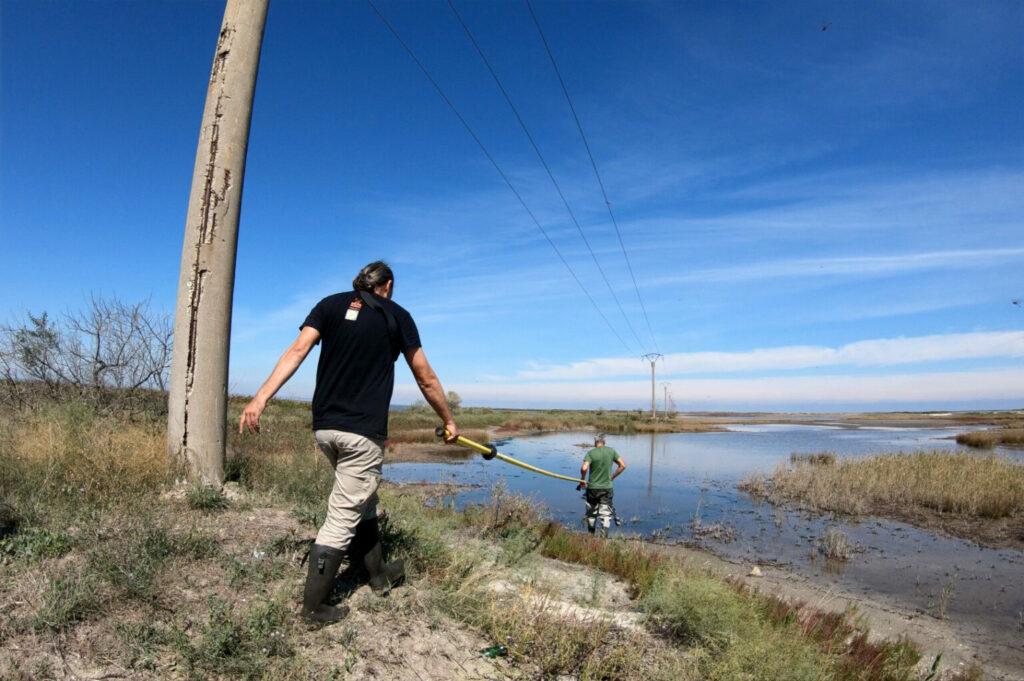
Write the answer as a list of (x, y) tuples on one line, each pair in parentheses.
[(363, 332)]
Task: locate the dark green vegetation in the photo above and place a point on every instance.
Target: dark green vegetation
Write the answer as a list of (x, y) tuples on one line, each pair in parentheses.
[(107, 568)]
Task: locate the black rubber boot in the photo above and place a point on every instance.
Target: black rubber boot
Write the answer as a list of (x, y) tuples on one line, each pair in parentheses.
[(323, 566), (383, 576)]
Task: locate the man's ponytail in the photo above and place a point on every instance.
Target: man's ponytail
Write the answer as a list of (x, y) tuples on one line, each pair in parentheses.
[(372, 276)]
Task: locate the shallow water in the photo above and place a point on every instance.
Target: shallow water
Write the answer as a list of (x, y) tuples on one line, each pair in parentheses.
[(674, 478)]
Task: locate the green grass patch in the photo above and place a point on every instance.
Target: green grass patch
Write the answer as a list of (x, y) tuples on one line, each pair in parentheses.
[(206, 498), (236, 643), (34, 544), (66, 599)]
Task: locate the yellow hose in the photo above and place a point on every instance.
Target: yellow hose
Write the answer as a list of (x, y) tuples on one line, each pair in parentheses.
[(484, 449)]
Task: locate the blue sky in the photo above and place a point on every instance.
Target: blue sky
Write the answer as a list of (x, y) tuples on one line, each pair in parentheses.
[(817, 219)]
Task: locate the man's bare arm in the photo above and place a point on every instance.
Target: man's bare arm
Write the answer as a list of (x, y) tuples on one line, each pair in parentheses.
[(621, 467), (583, 474), (433, 391), (290, 361)]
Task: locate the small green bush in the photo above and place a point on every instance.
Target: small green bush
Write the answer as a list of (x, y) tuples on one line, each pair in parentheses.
[(34, 544), (697, 610)]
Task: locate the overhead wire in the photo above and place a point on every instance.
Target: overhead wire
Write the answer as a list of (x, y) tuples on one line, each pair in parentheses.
[(544, 163), (597, 173), (497, 167)]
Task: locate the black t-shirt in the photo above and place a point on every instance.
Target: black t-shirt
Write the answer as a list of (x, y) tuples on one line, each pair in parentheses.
[(356, 373)]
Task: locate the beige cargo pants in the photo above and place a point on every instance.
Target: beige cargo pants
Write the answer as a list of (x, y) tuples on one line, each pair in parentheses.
[(356, 461)]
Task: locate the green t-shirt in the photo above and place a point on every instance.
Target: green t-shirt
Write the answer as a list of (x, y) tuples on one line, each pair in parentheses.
[(601, 459)]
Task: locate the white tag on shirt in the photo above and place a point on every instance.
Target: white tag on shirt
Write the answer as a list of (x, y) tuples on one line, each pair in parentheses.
[(351, 314)]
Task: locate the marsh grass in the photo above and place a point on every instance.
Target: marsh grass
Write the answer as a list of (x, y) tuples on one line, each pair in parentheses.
[(989, 439), (835, 545), (817, 459), (625, 559), (955, 483), (545, 420)]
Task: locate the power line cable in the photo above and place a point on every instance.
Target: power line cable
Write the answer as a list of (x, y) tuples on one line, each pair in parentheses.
[(593, 163), (497, 167), (547, 168)]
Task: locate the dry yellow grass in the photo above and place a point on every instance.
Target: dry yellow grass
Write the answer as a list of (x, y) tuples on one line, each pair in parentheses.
[(76, 455), (964, 484), (987, 439)]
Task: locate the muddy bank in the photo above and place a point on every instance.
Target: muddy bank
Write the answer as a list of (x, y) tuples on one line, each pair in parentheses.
[(996, 533), (960, 640), (422, 452)]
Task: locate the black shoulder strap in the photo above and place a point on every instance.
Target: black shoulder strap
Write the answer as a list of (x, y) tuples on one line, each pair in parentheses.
[(393, 335)]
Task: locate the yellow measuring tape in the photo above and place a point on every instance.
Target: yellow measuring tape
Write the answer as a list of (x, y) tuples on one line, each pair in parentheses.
[(490, 452)]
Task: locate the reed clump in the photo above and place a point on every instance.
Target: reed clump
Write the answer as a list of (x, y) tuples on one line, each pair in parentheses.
[(956, 483), (988, 439), (817, 459), (835, 545)]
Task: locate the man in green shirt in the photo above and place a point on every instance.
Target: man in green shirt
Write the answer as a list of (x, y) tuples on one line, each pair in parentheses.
[(598, 463)]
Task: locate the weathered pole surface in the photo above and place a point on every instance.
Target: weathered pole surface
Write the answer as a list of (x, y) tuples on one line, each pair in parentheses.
[(197, 404)]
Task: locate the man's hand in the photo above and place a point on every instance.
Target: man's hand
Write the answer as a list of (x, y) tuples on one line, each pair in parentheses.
[(452, 431), (250, 418), (286, 366)]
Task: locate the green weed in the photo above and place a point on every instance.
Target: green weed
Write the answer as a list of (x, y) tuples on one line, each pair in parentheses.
[(34, 544), (206, 498), (66, 599)]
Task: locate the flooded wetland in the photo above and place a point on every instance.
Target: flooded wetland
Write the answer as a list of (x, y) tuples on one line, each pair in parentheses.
[(685, 488)]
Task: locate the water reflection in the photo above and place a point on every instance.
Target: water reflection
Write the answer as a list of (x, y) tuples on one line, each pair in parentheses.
[(650, 468)]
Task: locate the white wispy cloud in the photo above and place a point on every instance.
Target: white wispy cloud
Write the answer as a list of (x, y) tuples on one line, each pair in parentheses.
[(879, 352), (856, 266), (996, 385)]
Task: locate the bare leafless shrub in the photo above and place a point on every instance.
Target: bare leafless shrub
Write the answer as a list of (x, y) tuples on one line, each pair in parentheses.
[(112, 355)]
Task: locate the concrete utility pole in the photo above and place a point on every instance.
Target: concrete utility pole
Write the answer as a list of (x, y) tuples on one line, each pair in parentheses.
[(652, 357), (665, 403), (197, 403)]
